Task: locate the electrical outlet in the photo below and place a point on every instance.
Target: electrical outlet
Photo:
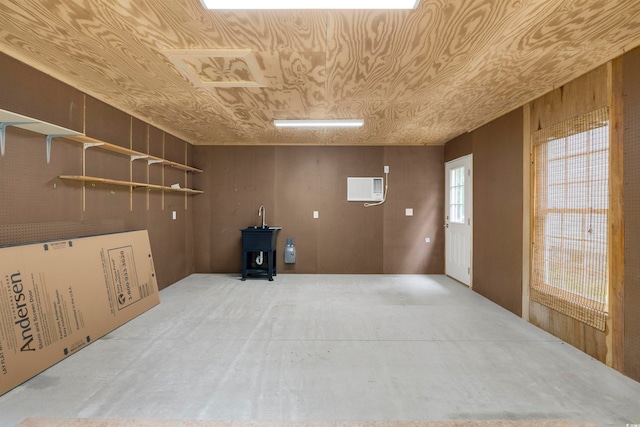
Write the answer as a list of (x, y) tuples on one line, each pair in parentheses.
[(427, 239), (408, 212), (315, 214), (386, 169)]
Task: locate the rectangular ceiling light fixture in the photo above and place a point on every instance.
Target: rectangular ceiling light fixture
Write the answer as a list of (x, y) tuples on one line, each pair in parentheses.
[(319, 123), (309, 4), (341, 123)]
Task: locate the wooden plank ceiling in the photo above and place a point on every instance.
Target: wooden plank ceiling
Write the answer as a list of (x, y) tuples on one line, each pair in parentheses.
[(416, 77)]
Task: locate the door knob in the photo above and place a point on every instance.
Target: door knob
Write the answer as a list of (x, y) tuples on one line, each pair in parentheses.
[(446, 225)]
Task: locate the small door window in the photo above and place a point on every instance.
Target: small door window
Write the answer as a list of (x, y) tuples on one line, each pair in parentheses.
[(456, 195)]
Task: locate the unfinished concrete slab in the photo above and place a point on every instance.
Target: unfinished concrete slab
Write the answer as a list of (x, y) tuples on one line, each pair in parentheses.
[(327, 348)]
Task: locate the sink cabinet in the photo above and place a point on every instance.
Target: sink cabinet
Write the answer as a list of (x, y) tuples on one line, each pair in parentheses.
[(258, 239)]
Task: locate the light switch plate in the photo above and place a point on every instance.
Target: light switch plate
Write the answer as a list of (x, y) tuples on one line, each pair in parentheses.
[(408, 211), (315, 214), (174, 214)]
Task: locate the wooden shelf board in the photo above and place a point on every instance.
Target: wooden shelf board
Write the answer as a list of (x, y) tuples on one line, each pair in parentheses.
[(108, 181), (105, 145), (34, 125), (128, 152), (181, 166), (45, 128)]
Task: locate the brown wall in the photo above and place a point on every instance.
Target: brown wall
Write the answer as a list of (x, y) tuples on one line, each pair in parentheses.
[(498, 203), (458, 147), (497, 211), (498, 198), (417, 182), (292, 182), (497, 207), (631, 98), (37, 205), (31, 93)]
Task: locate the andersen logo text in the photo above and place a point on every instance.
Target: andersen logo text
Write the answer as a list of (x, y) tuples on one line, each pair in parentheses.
[(22, 312)]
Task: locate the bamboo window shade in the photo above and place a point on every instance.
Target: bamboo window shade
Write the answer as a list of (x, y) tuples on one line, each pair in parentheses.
[(570, 218)]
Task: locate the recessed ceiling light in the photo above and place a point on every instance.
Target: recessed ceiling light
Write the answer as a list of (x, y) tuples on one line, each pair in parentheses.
[(310, 4), (318, 123)]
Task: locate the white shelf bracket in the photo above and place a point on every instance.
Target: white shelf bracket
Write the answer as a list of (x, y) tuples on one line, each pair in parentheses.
[(91, 144), (151, 162), (138, 157), (49, 139), (3, 128)]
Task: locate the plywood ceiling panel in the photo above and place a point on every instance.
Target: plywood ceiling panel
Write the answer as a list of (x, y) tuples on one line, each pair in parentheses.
[(416, 77)]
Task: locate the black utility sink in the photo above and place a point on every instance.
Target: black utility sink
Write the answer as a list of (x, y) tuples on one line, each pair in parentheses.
[(259, 239), (255, 240)]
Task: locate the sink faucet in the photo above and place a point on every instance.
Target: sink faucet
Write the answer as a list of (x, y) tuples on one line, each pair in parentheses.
[(263, 214)]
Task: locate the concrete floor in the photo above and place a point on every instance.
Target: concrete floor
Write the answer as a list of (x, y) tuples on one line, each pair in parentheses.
[(327, 348)]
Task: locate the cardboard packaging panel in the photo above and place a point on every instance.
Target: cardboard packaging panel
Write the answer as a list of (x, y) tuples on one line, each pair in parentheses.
[(57, 297)]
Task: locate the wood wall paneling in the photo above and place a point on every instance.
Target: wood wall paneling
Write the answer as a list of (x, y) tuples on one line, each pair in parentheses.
[(567, 329), (174, 176), (189, 233), (203, 206), (292, 182), (458, 147), (37, 205), (139, 136), (34, 94), (174, 149), (595, 343), (30, 190), (631, 111), (156, 142), (527, 212), (190, 156), (416, 181), (615, 321), (139, 168), (539, 316), (101, 199), (582, 95), (169, 247), (349, 235), (106, 123), (579, 335), (498, 211), (238, 181), (298, 186), (156, 172)]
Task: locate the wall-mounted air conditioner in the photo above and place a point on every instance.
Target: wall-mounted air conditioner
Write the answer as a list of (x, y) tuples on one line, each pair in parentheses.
[(364, 189)]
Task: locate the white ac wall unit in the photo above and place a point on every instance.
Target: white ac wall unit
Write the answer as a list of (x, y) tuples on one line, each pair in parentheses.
[(365, 189)]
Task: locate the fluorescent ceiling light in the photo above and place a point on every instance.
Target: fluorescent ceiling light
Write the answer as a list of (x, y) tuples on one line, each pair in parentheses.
[(310, 4), (318, 123)]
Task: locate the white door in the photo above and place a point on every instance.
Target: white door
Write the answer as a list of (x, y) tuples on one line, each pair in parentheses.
[(458, 202)]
